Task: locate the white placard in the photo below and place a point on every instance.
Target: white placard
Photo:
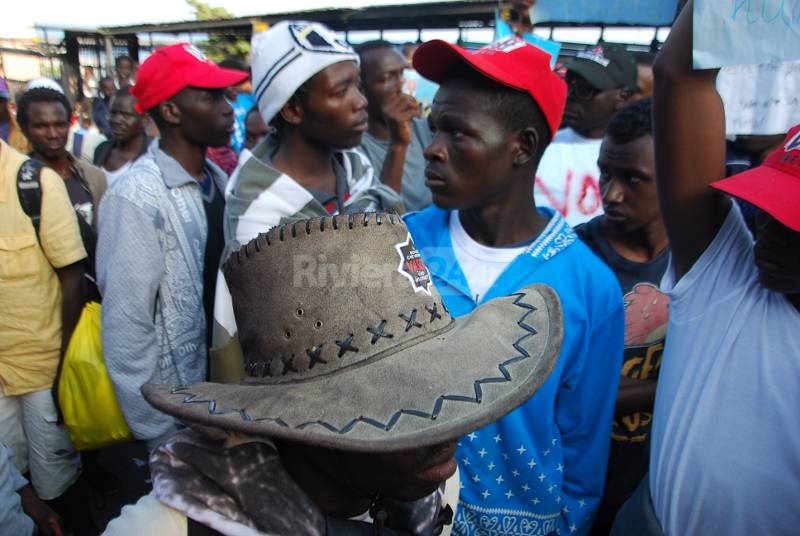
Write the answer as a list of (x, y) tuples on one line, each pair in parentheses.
[(760, 99), (745, 32)]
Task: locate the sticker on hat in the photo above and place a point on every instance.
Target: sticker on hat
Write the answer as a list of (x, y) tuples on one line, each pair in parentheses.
[(506, 45), (412, 267), (594, 54), (793, 144), (196, 52), (316, 38)]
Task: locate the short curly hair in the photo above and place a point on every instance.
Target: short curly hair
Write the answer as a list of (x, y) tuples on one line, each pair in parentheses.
[(632, 122), (39, 94)]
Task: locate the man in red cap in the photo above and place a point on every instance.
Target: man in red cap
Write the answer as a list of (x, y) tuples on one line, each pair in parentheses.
[(726, 433), (541, 468), (161, 236)]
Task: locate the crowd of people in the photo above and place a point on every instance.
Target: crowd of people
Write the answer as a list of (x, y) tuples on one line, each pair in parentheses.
[(328, 310)]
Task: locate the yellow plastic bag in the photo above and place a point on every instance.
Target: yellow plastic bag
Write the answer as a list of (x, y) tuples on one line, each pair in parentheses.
[(88, 402)]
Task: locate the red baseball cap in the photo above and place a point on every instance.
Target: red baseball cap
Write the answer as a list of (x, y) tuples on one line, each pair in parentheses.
[(774, 186), (171, 69), (511, 62)]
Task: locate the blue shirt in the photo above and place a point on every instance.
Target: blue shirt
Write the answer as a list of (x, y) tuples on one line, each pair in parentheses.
[(541, 468)]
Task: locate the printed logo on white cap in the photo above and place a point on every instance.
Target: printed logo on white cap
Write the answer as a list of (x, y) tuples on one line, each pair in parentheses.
[(317, 38), (194, 51)]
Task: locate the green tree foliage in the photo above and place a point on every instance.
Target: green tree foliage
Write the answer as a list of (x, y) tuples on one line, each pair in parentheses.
[(219, 46)]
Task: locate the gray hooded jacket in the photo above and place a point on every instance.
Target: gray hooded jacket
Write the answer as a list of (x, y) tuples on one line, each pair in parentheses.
[(150, 251)]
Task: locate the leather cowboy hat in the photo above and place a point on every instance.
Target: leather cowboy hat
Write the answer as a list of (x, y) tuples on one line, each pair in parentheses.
[(348, 345)]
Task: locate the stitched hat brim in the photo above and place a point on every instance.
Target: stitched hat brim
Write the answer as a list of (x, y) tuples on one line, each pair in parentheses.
[(489, 363)]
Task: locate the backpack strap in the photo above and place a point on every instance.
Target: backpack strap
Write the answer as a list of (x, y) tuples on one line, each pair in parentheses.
[(29, 191)]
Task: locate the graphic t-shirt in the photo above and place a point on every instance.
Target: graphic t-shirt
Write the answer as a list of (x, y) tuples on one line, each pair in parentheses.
[(567, 177), (646, 318), (726, 431)]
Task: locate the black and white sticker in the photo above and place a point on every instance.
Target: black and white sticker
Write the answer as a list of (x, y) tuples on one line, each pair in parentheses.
[(412, 267)]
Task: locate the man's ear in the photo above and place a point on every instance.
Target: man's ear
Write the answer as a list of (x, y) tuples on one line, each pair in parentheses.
[(526, 146), (170, 112), (622, 98), (292, 112)]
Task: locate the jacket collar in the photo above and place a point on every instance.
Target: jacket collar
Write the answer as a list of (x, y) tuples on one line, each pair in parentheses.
[(437, 246), (175, 175)]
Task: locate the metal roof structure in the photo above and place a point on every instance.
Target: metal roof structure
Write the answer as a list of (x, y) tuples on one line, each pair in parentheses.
[(467, 13), (436, 15)]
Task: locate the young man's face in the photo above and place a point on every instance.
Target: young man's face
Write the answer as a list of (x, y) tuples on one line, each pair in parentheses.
[(107, 88), (206, 117), (126, 124), (124, 70), (382, 72), (469, 160), (777, 256), (628, 183), (588, 109), (48, 128), (334, 109)]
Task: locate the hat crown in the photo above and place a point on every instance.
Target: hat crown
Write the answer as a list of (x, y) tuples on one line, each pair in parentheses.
[(321, 295)]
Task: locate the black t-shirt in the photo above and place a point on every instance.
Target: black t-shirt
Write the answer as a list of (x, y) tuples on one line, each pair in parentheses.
[(214, 205), (82, 201), (646, 318)]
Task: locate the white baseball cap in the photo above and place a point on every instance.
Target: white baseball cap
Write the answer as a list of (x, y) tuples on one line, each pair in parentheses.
[(43, 82), (287, 55)]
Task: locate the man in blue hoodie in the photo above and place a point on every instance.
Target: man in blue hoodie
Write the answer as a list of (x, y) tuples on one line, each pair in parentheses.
[(541, 468)]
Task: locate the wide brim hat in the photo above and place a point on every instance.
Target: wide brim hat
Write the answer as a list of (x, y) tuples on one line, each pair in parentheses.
[(774, 186), (365, 361)]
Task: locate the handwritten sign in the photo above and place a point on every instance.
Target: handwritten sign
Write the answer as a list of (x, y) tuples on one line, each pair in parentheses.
[(745, 32), (567, 181), (641, 12), (760, 99)]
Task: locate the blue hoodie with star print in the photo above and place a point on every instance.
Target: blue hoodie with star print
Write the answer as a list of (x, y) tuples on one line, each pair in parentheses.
[(541, 468)]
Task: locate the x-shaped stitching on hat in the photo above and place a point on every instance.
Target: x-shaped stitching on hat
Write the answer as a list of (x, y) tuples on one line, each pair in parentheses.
[(411, 320), (434, 311), (288, 364), (314, 356), (379, 332), (346, 345)]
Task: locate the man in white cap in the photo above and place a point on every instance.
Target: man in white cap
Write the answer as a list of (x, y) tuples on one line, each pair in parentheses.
[(306, 83)]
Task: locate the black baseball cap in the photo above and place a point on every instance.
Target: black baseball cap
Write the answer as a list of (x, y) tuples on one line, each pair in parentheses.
[(605, 66)]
